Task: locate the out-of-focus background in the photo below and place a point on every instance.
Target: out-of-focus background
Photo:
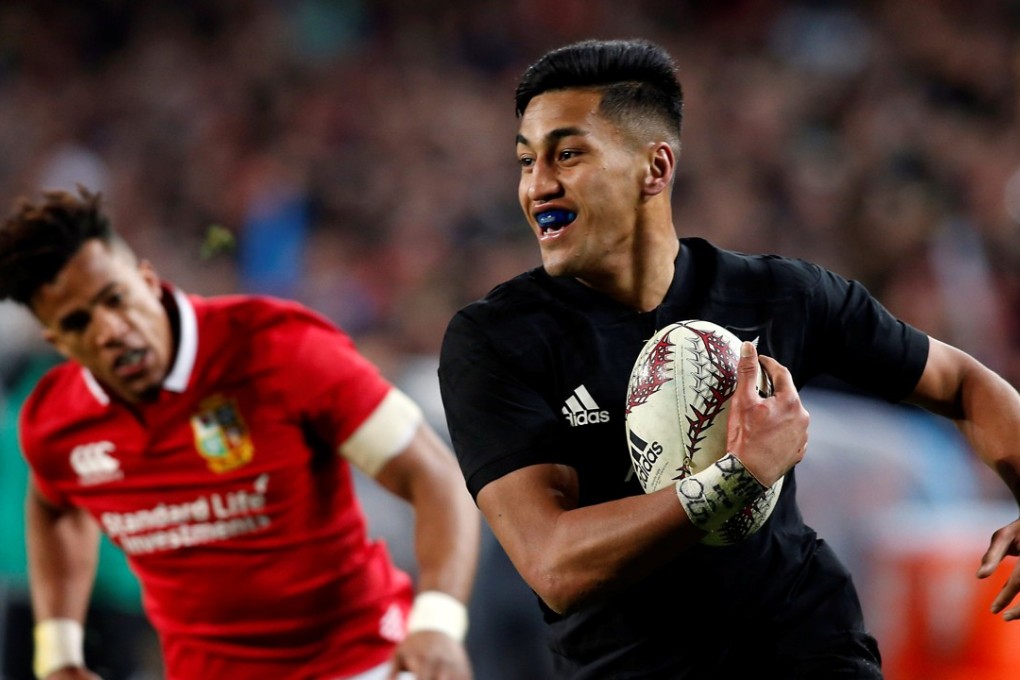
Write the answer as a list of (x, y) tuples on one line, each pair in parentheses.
[(360, 152)]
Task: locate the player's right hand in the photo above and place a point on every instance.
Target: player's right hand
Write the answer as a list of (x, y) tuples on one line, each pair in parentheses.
[(768, 435)]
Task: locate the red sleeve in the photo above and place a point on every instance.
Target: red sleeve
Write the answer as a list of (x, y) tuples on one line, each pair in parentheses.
[(33, 444), (332, 385)]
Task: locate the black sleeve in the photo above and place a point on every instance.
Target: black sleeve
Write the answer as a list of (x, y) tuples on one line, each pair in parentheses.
[(862, 343), (497, 418)]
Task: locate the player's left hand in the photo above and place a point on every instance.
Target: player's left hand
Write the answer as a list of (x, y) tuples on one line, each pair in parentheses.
[(1005, 541), (431, 655)]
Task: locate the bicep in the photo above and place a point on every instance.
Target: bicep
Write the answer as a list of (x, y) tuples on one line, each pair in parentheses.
[(66, 525), (394, 427), (425, 459), (939, 388), (41, 510)]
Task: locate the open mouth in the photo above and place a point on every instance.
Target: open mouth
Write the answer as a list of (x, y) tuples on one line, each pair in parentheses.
[(553, 221), (130, 361)]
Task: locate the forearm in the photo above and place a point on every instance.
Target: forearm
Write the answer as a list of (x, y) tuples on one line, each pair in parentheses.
[(447, 524), (991, 423), (572, 555), (446, 538), (596, 551), (62, 557)]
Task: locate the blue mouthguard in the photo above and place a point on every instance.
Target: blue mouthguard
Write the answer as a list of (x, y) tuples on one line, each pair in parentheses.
[(556, 218)]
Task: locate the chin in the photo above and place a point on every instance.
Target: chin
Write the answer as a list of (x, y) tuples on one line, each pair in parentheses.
[(149, 394), (142, 390), (555, 266)]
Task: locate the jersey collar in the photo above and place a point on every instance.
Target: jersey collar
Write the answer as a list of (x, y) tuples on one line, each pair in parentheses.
[(187, 349), (187, 346), (680, 295)]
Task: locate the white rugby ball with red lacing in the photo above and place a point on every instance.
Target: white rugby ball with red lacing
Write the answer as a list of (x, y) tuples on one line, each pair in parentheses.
[(677, 410)]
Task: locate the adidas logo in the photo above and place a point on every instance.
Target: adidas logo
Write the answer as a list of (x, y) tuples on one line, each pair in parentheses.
[(581, 409), (643, 456)]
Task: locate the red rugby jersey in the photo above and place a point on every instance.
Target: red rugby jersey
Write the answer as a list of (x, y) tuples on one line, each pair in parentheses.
[(228, 496)]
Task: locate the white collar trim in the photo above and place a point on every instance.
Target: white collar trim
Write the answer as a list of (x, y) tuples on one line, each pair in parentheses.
[(94, 387), (187, 348)]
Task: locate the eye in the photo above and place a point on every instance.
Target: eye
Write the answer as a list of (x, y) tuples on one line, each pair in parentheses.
[(525, 161), (75, 322), (568, 155), (114, 299)]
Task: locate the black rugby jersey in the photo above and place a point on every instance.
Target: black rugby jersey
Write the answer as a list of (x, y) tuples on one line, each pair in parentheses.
[(537, 372)]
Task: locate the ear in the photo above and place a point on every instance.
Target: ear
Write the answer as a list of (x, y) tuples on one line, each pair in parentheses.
[(51, 337), (661, 166), (151, 278)]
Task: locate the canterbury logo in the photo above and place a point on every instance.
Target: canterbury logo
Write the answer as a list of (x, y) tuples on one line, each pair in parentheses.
[(581, 409), (94, 464)]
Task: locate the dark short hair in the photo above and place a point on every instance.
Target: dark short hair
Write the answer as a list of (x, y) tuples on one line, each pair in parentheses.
[(637, 78), (38, 239)]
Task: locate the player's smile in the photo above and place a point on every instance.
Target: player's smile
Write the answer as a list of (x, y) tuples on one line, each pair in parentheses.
[(552, 222)]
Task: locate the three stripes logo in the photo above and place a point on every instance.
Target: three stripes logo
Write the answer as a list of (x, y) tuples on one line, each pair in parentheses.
[(643, 455), (580, 409)]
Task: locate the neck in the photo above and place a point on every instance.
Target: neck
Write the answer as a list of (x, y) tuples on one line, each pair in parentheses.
[(642, 273)]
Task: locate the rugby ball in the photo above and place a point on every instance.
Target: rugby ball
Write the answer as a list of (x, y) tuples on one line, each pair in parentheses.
[(677, 410)]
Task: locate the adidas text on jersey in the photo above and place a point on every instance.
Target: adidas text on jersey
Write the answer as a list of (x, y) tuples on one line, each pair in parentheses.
[(581, 409)]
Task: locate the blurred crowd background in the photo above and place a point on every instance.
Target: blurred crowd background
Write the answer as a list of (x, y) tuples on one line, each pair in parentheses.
[(357, 155)]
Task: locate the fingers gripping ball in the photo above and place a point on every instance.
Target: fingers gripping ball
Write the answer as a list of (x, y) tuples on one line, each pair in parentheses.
[(677, 410)]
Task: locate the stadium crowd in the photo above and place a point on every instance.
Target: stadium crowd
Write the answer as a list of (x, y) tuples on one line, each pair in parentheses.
[(357, 155), (359, 151)]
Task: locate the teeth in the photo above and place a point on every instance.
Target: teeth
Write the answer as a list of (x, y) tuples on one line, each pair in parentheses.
[(555, 219), (131, 357)]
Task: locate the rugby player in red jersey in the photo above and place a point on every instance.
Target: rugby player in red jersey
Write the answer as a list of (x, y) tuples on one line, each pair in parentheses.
[(211, 439)]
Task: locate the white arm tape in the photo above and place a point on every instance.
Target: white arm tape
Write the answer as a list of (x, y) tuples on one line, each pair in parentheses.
[(718, 492), (58, 644), (435, 610), (384, 434)]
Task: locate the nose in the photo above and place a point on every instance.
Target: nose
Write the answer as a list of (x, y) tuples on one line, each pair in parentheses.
[(544, 184), (110, 326)]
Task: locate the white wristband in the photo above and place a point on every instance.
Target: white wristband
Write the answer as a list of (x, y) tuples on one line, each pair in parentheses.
[(58, 644), (716, 493), (435, 610)]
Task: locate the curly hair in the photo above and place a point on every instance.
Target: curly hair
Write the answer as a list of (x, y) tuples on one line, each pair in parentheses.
[(38, 239)]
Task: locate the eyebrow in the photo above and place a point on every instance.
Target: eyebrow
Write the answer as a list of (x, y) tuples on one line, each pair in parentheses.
[(554, 135), (65, 321)]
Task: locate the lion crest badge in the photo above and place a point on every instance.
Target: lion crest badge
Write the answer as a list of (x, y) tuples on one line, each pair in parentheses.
[(221, 435)]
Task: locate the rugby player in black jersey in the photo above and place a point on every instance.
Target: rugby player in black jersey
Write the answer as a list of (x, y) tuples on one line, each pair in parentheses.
[(534, 378)]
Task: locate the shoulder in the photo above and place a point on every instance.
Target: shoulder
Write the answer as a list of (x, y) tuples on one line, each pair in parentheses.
[(60, 399), (244, 315), (249, 335), (748, 272), (59, 385), (523, 307), (526, 293)]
